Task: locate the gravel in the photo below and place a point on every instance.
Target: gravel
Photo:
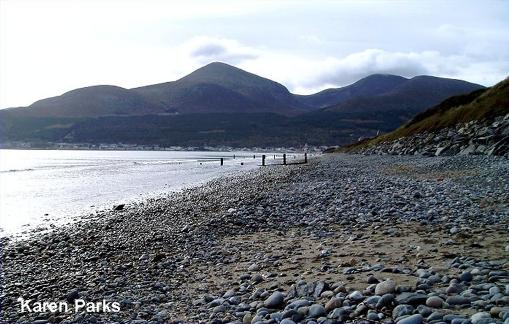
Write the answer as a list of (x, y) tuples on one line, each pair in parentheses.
[(287, 244)]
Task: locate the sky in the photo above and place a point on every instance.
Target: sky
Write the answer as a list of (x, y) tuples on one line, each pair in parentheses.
[(50, 47)]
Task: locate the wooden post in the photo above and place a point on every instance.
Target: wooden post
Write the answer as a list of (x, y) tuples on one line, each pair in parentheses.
[(284, 159), (222, 161), (305, 158), (263, 160)]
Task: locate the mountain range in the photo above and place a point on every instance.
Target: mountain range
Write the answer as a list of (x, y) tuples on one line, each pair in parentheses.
[(219, 104)]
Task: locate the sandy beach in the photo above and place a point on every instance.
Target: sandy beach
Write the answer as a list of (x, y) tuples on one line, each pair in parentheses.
[(344, 238)]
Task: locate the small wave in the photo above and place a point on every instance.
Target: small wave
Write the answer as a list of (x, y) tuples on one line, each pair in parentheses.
[(16, 170), (160, 162)]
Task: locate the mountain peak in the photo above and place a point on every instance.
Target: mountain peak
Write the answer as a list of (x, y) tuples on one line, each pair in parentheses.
[(218, 64), (220, 87), (221, 72), (379, 78)]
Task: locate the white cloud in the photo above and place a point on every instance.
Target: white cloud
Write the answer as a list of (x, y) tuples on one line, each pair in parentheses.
[(306, 76), (207, 49)]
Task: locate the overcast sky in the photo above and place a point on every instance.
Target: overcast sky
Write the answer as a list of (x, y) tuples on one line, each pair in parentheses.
[(50, 47)]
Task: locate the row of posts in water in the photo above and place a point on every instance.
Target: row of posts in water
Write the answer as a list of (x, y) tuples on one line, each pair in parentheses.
[(264, 157)]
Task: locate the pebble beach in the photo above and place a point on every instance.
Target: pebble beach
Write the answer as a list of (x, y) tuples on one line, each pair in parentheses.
[(341, 239)]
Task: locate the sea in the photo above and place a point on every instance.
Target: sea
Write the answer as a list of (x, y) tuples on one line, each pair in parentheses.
[(41, 189)]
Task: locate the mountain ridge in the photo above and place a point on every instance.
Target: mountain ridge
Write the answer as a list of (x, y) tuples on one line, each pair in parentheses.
[(222, 88), (217, 97)]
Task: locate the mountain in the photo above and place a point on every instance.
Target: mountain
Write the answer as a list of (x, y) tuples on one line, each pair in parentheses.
[(211, 103), (103, 100), (373, 85), (222, 88), (214, 88), (406, 98), (473, 123)]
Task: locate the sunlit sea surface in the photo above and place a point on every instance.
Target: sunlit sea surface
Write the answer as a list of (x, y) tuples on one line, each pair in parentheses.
[(39, 188)]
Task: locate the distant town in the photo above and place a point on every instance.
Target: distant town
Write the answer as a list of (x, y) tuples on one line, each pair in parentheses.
[(137, 147)]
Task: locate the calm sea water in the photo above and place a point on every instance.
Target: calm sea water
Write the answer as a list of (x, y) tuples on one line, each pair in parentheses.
[(43, 187)]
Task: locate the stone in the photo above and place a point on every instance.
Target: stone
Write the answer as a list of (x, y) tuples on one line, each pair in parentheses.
[(298, 304), (466, 276), (424, 310), (356, 296), (451, 317), (457, 300), (452, 290), (385, 301), (340, 313), (247, 318), (494, 290), (412, 319), (435, 302), (320, 286), (316, 310), (229, 293), (454, 230), (253, 267), (479, 318), (411, 298), (287, 321), (435, 316), (372, 301), (402, 310), (219, 309), (72, 295), (468, 150), (372, 280), (333, 303), (275, 300), (385, 287), (373, 316)]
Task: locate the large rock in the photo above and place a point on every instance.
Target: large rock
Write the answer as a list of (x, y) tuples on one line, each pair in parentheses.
[(316, 311), (435, 302), (356, 296), (333, 303), (385, 287), (275, 300), (402, 310), (480, 317), (457, 300), (413, 319), (411, 298)]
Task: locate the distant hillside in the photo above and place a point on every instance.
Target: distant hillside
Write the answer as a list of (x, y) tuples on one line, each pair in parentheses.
[(92, 101), (482, 106), (407, 98), (370, 86)]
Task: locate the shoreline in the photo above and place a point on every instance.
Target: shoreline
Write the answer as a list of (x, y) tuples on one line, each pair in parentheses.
[(97, 214), (44, 210), (219, 251)]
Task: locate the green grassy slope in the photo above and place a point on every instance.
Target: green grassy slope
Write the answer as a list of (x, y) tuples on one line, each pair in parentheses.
[(478, 105)]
